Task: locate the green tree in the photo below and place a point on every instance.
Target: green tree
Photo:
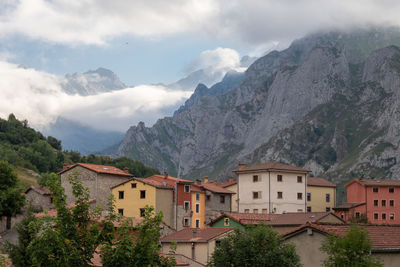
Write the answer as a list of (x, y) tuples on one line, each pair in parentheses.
[(11, 201), (137, 249), (350, 250), (255, 246)]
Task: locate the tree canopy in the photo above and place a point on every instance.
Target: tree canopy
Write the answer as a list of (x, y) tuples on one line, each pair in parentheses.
[(11, 200), (350, 250), (255, 246)]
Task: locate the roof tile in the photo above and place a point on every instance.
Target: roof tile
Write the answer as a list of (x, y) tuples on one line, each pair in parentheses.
[(202, 235), (318, 181), (271, 166), (103, 169)]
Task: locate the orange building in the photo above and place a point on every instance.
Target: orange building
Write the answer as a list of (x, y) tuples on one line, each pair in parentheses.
[(198, 207)]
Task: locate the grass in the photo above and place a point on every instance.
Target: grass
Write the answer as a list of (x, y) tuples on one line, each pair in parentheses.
[(26, 178)]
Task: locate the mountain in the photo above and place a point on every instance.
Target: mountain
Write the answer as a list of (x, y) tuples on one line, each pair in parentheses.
[(82, 138), (92, 82)]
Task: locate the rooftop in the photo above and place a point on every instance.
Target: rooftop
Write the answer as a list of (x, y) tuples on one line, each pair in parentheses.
[(318, 181), (270, 166), (228, 183), (159, 181), (43, 190), (103, 169), (370, 182), (195, 234), (347, 206)]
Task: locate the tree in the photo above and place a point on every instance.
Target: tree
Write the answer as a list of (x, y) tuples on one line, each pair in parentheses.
[(255, 246), (11, 200), (350, 250), (140, 248)]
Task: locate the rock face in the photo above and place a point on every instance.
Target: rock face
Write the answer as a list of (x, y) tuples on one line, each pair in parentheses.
[(329, 102)]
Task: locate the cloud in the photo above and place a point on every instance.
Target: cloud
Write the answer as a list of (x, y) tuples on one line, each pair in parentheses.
[(38, 97), (253, 22)]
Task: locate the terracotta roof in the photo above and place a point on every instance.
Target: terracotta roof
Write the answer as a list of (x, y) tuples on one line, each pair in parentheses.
[(53, 212), (271, 166), (383, 237), (158, 181), (317, 181), (43, 190), (103, 169), (196, 188), (202, 235), (214, 187), (228, 183), (347, 206), (370, 182), (247, 218), (298, 218)]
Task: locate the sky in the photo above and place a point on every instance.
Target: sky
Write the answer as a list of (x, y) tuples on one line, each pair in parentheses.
[(147, 43)]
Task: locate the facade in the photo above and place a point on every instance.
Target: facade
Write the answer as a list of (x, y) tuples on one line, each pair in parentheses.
[(98, 178), (376, 200), (271, 188), (196, 244), (39, 197), (198, 207), (281, 223), (321, 195), (232, 185), (308, 240)]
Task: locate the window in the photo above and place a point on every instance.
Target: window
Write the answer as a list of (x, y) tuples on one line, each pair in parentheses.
[(375, 202), (186, 222), (383, 216), (246, 211), (255, 210), (328, 197), (187, 188), (197, 208), (222, 199), (328, 209), (299, 195), (308, 209), (383, 203), (217, 243), (142, 193), (308, 196), (391, 216), (264, 211), (51, 199), (256, 195), (186, 205), (226, 222), (280, 195), (208, 197), (357, 214), (142, 212), (197, 223), (375, 189), (299, 210), (279, 178), (391, 189), (133, 185), (299, 179), (375, 216), (121, 211), (121, 194), (197, 196), (255, 178), (342, 215), (391, 203)]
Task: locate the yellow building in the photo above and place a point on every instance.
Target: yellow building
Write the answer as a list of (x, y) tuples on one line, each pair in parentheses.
[(198, 207), (321, 195), (132, 196)]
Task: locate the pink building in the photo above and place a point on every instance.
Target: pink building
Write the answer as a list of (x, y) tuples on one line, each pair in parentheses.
[(379, 200)]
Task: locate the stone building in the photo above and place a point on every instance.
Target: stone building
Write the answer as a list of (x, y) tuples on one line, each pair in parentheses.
[(232, 185), (98, 178), (39, 197)]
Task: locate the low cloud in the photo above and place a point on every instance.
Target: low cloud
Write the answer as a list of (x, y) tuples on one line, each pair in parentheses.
[(38, 97)]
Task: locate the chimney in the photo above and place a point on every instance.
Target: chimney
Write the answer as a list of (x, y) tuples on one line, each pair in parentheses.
[(205, 179), (165, 178), (242, 166), (126, 169), (194, 231), (65, 166), (231, 179), (198, 181)]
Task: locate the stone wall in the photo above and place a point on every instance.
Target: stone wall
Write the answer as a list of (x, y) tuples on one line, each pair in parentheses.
[(39, 201), (214, 207)]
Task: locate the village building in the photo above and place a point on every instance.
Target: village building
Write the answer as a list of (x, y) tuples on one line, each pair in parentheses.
[(39, 197), (309, 238), (198, 207), (271, 188), (279, 222), (232, 185), (196, 244), (97, 178), (374, 200), (321, 195)]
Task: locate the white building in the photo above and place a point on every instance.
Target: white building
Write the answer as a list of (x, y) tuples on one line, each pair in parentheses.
[(271, 188)]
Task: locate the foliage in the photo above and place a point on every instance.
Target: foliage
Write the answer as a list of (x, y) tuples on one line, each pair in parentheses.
[(256, 246), (141, 249), (350, 250), (11, 200), (26, 233), (45, 178)]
